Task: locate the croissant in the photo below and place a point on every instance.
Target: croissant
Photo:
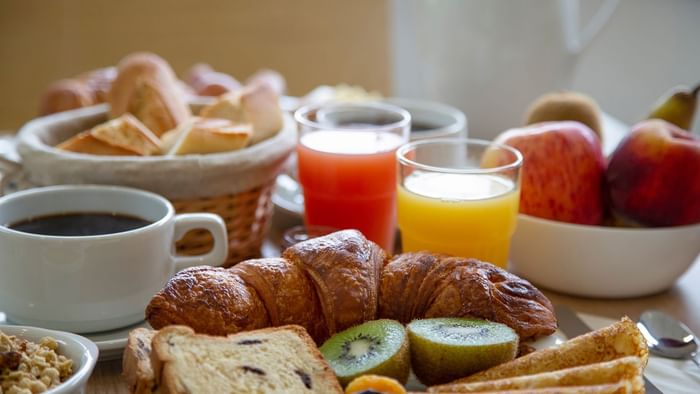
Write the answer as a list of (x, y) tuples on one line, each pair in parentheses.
[(330, 283)]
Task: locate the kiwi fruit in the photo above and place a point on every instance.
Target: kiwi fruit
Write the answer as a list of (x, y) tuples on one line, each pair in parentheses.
[(566, 105), (445, 349), (378, 347)]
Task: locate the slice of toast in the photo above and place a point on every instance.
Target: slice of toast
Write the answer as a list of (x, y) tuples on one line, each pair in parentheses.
[(136, 363), (87, 143), (272, 360), (615, 341), (609, 372), (627, 386), (128, 133), (257, 104), (206, 135)]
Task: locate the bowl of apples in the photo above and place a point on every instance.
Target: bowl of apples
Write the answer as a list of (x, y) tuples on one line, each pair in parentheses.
[(626, 225)]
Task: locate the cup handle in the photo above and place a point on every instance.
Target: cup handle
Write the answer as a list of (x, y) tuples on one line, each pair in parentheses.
[(207, 221), (9, 169)]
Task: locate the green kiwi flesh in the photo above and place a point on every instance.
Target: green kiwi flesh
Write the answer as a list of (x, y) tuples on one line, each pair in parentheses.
[(445, 349), (377, 347)]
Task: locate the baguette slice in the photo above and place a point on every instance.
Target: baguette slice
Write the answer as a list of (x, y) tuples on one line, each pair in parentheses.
[(136, 363), (257, 104), (272, 360), (203, 135), (128, 133), (615, 341), (87, 143), (609, 372)]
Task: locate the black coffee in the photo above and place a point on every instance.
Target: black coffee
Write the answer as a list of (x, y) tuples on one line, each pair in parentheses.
[(79, 224)]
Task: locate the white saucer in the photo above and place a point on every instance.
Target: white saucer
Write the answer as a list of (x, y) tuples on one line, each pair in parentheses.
[(111, 343)]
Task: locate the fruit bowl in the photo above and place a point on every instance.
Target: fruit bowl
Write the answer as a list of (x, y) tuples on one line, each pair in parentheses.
[(605, 262)]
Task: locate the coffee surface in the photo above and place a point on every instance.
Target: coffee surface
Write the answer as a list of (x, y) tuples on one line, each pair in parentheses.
[(79, 224)]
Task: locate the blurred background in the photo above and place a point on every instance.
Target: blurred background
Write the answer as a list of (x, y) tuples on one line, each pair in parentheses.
[(488, 57)]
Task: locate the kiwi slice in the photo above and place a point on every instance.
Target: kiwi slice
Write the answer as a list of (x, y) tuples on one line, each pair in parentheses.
[(445, 349), (378, 347)]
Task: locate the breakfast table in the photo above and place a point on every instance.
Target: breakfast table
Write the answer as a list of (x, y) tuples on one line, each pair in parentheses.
[(681, 301)]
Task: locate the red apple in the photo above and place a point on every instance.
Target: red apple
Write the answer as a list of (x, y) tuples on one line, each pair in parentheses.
[(654, 175), (562, 173)]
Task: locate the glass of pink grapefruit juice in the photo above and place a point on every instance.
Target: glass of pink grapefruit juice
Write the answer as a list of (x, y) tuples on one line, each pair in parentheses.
[(347, 166)]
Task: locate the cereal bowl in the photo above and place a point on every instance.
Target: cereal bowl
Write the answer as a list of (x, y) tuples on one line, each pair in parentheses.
[(604, 262), (80, 350)]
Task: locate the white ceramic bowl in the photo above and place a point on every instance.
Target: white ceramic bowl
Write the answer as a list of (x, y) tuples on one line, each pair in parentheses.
[(81, 350), (606, 262)]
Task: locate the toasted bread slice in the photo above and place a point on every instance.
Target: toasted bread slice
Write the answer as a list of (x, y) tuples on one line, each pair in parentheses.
[(257, 104), (627, 386), (87, 143), (615, 341), (136, 363), (272, 360), (128, 133), (206, 135), (626, 368)]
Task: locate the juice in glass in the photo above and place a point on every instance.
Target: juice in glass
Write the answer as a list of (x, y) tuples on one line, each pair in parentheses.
[(349, 178), (458, 208)]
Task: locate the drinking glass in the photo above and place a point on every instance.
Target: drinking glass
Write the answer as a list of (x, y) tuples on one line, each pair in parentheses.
[(459, 196), (347, 166)]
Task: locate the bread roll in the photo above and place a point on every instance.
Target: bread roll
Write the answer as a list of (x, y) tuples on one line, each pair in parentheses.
[(205, 81), (99, 82), (271, 78), (146, 87), (256, 104), (64, 95), (204, 135)]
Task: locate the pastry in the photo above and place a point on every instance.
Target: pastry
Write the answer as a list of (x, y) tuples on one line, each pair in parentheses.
[(273, 360), (354, 283), (212, 300), (147, 88), (256, 104), (206, 135)]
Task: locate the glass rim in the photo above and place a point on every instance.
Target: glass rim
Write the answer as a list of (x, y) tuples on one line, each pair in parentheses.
[(300, 115), (402, 159)]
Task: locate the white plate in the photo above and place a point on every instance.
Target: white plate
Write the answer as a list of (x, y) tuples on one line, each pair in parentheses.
[(111, 343)]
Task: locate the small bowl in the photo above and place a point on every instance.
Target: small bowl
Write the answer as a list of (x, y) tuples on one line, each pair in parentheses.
[(602, 262), (81, 350)]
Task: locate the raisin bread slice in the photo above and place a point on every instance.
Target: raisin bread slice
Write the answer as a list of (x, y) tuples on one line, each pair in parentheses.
[(272, 360), (136, 363)]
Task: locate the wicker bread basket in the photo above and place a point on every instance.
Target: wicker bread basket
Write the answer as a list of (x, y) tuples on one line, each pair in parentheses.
[(235, 185)]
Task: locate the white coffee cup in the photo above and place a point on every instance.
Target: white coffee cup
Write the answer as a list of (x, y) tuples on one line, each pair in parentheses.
[(97, 282)]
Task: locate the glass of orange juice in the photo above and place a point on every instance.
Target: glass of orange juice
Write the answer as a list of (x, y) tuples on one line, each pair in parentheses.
[(347, 166), (459, 197)]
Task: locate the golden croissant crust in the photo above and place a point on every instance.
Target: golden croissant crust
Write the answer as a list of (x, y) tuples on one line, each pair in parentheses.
[(330, 283)]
